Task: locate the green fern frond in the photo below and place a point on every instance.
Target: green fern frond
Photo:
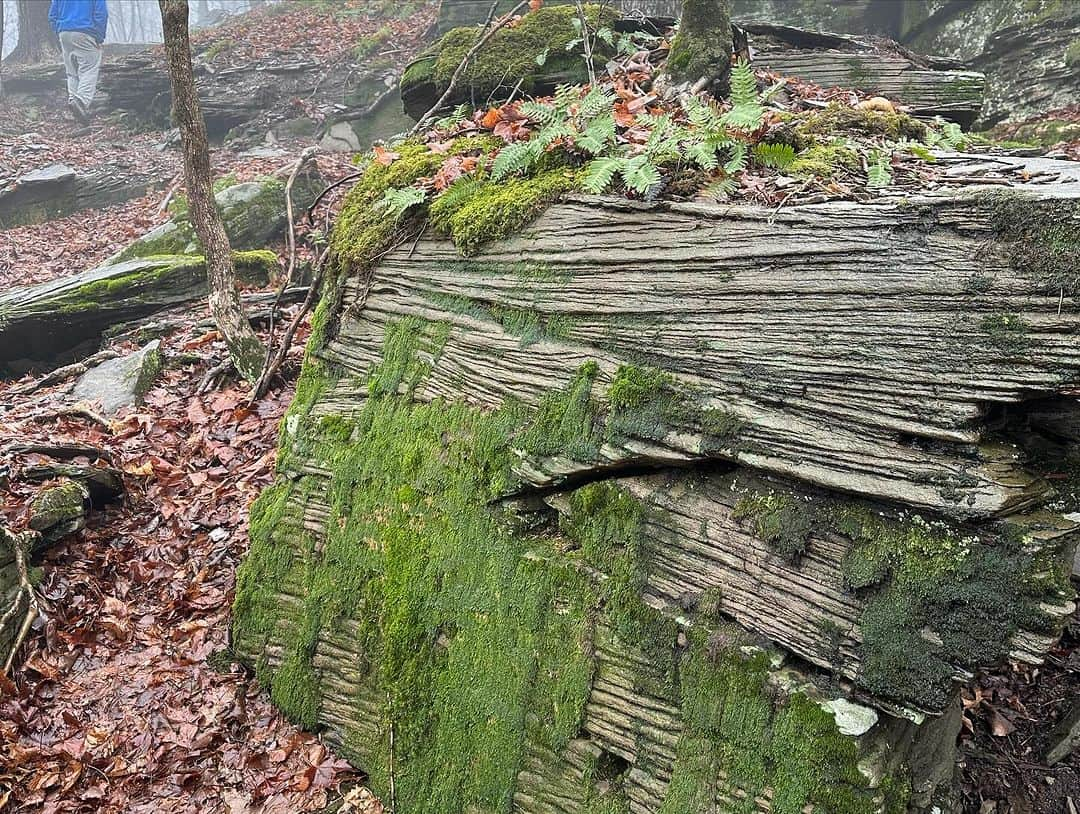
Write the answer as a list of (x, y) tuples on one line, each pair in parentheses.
[(566, 95), (397, 201), (721, 189), (598, 136), (597, 101), (639, 174), (746, 111), (538, 112), (878, 174), (548, 135), (702, 115), (460, 113), (778, 156), (598, 174), (703, 154), (737, 162), (514, 158)]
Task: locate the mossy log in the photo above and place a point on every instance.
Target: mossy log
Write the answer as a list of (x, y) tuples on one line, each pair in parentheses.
[(930, 87), (675, 507), (51, 323), (57, 190)]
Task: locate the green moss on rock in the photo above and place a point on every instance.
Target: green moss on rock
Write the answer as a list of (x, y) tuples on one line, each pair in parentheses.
[(783, 521), (514, 51), (940, 598)]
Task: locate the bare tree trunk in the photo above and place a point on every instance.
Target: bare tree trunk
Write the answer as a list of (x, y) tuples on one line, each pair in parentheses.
[(701, 52), (244, 346), (36, 38), (1, 49)]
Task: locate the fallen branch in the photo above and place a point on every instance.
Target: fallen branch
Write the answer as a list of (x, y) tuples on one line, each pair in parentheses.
[(490, 31), (259, 390), (352, 176), (21, 545)]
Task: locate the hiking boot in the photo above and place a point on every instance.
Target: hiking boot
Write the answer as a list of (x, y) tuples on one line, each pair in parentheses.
[(78, 110)]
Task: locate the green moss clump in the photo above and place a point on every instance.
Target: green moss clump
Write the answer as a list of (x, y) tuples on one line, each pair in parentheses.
[(514, 51), (606, 521), (482, 212), (568, 421), (825, 160), (647, 404), (758, 739), (806, 130), (1006, 332), (1072, 54), (781, 520), (1040, 239), (940, 599)]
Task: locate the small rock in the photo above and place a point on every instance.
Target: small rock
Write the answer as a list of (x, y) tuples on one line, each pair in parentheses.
[(120, 382), (341, 138), (851, 718)]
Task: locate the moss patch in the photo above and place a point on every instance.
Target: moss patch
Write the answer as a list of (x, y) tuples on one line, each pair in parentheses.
[(783, 521), (1040, 239), (514, 52), (479, 212), (940, 598)]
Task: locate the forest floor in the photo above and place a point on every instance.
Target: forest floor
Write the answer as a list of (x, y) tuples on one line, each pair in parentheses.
[(124, 698)]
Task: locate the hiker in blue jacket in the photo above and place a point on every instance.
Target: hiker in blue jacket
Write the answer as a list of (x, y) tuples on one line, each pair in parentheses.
[(81, 25)]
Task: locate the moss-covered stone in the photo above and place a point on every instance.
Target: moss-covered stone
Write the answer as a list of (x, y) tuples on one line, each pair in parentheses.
[(1040, 239), (534, 52), (783, 521), (939, 598)]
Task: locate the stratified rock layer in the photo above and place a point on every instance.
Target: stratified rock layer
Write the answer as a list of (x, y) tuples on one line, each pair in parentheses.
[(673, 506)]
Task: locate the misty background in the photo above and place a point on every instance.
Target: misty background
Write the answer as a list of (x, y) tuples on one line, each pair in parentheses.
[(134, 21)]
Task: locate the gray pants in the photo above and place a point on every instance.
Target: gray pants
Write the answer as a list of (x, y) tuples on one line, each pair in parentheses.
[(82, 61)]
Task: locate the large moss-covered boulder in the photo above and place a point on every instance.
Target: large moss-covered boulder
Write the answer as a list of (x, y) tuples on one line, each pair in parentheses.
[(531, 56), (663, 507), (253, 214)]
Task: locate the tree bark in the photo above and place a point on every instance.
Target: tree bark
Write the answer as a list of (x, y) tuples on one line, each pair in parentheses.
[(244, 346), (36, 38), (702, 49)]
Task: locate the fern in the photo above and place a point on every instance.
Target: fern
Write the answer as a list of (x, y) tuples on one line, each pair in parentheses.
[(721, 189), (737, 162), (461, 112), (397, 201), (598, 100), (746, 111), (598, 136), (566, 95), (514, 158), (538, 112), (778, 156), (598, 174), (702, 115), (639, 174), (878, 174)]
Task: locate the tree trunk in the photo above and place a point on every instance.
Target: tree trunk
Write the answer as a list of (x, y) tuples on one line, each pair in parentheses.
[(702, 49), (246, 349), (36, 38)]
